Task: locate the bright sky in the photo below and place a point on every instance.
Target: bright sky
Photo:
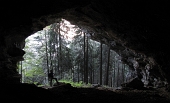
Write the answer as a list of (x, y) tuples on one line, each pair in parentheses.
[(68, 27)]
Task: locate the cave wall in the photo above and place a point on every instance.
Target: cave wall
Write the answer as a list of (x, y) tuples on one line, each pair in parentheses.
[(137, 30)]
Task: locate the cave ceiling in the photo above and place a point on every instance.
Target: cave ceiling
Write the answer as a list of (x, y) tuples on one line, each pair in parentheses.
[(133, 28)]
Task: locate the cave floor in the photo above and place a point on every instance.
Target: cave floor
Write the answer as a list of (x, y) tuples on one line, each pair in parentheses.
[(27, 93)]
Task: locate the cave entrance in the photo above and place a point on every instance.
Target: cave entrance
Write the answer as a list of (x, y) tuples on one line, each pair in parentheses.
[(73, 56)]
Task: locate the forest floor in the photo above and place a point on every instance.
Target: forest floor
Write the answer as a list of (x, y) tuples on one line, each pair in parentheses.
[(27, 93)]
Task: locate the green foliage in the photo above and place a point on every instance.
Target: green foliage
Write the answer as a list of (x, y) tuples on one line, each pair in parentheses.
[(76, 84), (34, 72)]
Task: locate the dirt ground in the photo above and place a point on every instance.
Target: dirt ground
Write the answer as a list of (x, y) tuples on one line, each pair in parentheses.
[(27, 93)]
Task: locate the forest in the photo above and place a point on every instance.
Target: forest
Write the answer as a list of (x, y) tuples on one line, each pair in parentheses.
[(72, 55)]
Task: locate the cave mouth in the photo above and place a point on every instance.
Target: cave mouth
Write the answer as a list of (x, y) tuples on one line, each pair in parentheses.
[(139, 65), (66, 49)]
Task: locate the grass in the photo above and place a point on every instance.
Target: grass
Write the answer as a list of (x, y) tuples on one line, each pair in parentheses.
[(75, 84)]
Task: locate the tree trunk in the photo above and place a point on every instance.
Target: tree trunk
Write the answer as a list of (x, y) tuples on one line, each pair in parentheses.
[(84, 58), (46, 51), (21, 72), (101, 63), (114, 74), (107, 68), (78, 74), (118, 74), (123, 67), (86, 61), (60, 54)]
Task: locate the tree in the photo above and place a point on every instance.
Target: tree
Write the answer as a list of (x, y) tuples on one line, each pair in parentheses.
[(85, 74), (101, 63), (108, 64)]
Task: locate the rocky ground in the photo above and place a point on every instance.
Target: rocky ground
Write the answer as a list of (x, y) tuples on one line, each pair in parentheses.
[(27, 93)]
